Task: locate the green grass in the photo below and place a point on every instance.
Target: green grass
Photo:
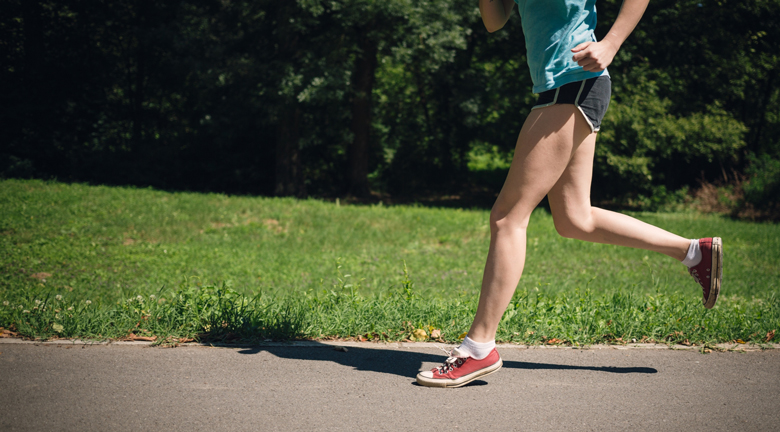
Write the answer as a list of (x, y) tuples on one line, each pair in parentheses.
[(256, 268)]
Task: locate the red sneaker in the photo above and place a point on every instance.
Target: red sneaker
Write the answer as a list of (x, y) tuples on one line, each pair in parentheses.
[(709, 272), (460, 370)]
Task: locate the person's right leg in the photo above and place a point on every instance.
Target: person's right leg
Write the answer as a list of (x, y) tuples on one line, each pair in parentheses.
[(574, 217)]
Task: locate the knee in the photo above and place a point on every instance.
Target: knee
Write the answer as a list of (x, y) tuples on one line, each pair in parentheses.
[(502, 219), (573, 225)]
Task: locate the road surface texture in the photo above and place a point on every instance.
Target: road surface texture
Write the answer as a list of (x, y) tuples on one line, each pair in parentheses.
[(372, 387)]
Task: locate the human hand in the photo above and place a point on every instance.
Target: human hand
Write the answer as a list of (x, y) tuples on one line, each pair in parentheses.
[(594, 56)]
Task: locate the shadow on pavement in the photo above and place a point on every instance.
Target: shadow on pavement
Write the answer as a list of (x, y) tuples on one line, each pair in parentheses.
[(408, 363)]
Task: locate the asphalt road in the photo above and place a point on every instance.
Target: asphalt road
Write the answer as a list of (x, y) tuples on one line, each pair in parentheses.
[(102, 388)]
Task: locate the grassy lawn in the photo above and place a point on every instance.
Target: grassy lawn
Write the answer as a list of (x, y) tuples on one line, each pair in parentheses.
[(215, 267)]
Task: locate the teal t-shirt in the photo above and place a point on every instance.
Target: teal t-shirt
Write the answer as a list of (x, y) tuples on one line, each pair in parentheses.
[(552, 28)]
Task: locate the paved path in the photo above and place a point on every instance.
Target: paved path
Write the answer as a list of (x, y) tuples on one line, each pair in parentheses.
[(113, 387)]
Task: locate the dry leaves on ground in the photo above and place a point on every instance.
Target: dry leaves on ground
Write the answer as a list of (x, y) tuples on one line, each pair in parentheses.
[(419, 335), (5, 333), (134, 337)]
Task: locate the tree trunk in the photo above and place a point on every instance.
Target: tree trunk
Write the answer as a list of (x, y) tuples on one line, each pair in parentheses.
[(363, 85), (140, 72), (289, 179), (33, 37), (759, 122)]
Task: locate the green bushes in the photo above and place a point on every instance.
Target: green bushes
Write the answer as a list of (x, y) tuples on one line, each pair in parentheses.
[(170, 95), (762, 186)]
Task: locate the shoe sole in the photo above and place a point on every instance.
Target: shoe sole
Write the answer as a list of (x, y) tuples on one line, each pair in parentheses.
[(428, 382), (716, 273)]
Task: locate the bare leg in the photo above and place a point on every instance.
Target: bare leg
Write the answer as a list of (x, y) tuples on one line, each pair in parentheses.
[(546, 144), (554, 154), (575, 218)]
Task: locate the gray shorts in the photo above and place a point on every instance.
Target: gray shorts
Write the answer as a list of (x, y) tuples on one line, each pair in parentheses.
[(590, 96)]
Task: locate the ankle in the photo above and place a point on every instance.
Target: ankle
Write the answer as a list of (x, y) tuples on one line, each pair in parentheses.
[(693, 256), (476, 350)]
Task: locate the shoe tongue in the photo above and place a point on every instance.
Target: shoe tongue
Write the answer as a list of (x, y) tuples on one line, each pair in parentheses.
[(456, 352)]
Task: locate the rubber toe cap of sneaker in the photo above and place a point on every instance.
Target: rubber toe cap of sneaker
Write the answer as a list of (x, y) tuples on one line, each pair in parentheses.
[(427, 374)]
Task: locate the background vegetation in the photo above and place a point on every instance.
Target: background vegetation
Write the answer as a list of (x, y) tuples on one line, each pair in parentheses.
[(399, 97)]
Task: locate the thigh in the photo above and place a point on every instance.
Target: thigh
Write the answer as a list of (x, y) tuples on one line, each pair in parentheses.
[(570, 196), (550, 137)]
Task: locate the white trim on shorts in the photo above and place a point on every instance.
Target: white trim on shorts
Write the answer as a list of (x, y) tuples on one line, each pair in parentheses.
[(555, 99), (577, 104)]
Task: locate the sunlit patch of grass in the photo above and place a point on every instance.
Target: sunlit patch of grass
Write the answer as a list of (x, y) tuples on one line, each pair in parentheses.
[(220, 314), (313, 269)]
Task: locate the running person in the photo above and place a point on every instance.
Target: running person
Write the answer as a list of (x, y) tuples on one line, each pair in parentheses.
[(554, 157)]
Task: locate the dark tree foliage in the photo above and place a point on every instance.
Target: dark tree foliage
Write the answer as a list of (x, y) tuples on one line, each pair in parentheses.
[(326, 98)]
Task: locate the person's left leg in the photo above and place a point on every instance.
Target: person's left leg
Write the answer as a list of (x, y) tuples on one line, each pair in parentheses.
[(544, 148)]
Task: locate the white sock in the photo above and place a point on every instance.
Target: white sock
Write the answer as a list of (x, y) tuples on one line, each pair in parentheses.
[(477, 350), (694, 254)]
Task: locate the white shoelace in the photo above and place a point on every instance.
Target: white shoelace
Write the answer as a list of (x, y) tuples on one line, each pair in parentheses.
[(450, 363)]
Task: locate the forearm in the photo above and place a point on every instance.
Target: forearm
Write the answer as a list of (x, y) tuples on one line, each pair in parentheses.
[(495, 13), (630, 13)]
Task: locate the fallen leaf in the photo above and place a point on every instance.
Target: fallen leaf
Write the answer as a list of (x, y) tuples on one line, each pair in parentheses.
[(553, 341), (420, 334), (740, 341), (686, 342), (132, 337), (769, 336), (5, 333), (435, 334), (128, 241), (41, 275), (707, 350), (463, 335)]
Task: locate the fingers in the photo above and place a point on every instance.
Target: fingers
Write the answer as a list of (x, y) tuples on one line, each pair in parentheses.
[(592, 67), (580, 47), (593, 56), (584, 58), (592, 64)]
